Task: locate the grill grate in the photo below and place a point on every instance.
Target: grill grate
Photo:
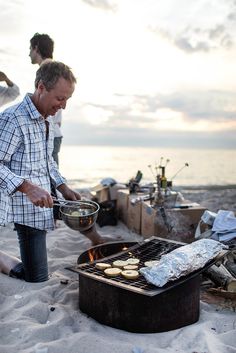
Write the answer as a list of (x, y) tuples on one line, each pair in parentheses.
[(152, 249)]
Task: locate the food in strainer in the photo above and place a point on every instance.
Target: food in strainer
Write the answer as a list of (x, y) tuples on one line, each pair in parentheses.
[(80, 213)]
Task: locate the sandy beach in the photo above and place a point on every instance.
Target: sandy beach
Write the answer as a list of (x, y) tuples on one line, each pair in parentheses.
[(45, 318)]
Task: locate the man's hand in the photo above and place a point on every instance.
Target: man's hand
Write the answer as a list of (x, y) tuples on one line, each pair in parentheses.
[(37, 195), (68, 193)]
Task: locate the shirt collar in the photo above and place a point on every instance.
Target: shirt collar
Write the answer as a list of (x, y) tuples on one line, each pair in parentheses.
[(32, 110)]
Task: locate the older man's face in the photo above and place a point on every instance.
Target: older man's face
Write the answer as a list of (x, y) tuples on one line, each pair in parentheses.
[(49, 102)]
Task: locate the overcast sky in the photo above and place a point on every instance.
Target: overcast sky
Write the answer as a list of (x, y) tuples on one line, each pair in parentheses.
[(149, 72)]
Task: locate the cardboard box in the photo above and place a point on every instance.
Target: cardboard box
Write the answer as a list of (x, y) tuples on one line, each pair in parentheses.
[(103, 195), (128, 212), (115, 189), (148, 217), (106, 193), (176, 223)]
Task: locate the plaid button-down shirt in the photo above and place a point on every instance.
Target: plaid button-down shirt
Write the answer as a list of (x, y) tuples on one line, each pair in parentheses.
[(25, 153)]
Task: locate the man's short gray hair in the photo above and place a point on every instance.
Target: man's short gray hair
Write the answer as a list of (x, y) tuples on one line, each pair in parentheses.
[(50, 72)]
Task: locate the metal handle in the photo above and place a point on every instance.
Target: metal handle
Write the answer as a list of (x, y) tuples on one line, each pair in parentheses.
[(68, 203), (61, 202)]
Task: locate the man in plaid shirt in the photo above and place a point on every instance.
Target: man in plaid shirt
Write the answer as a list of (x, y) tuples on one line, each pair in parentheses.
[(28, 171)]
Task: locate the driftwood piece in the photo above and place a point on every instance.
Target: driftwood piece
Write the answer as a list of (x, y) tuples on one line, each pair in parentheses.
[(221, 277), (223, 293), (231, 267), (230, 262)]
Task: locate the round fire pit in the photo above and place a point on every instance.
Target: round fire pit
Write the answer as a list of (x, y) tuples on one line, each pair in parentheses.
[(124, 305), (103, 250)]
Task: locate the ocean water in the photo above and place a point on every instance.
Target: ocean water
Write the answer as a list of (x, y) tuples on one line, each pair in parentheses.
[(86, 166)]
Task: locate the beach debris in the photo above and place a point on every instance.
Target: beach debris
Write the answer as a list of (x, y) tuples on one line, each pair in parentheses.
[(223, 293), (52, 308), (221, 226), (64, 281), (230, 263), (224, 226), (222, 278), (219, 297)]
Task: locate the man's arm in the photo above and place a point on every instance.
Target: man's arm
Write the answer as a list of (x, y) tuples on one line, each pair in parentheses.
[(3, 77), (9, 93), (37, 195), (68, 193)]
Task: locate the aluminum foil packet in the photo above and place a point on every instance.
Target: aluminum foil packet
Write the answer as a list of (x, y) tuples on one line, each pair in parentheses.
[(182, 261)]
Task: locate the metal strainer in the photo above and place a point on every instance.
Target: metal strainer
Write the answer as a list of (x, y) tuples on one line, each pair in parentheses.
[(78, 215)]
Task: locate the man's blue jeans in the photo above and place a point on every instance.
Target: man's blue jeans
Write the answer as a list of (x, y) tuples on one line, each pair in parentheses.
[(33, 251)]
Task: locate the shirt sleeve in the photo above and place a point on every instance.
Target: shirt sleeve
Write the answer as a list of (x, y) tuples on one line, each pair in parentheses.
[(9, 140), (8, 94), (55, 175)]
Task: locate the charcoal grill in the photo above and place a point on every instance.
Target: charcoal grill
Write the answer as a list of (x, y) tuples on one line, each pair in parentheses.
[(100, 251), (135, 305)]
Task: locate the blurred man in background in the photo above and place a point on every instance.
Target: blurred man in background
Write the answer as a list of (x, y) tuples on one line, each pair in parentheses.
[(41, 50)]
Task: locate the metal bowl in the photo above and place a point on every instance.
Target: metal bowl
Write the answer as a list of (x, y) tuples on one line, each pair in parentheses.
[(80, 215)]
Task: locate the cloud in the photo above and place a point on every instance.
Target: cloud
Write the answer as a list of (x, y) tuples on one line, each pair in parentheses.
[(3, 52), (212, 106), (84, 134), (10, 16), (102, 4), (209, 105), (206, 28), (194, 39), (232, 12), (158, 121)]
